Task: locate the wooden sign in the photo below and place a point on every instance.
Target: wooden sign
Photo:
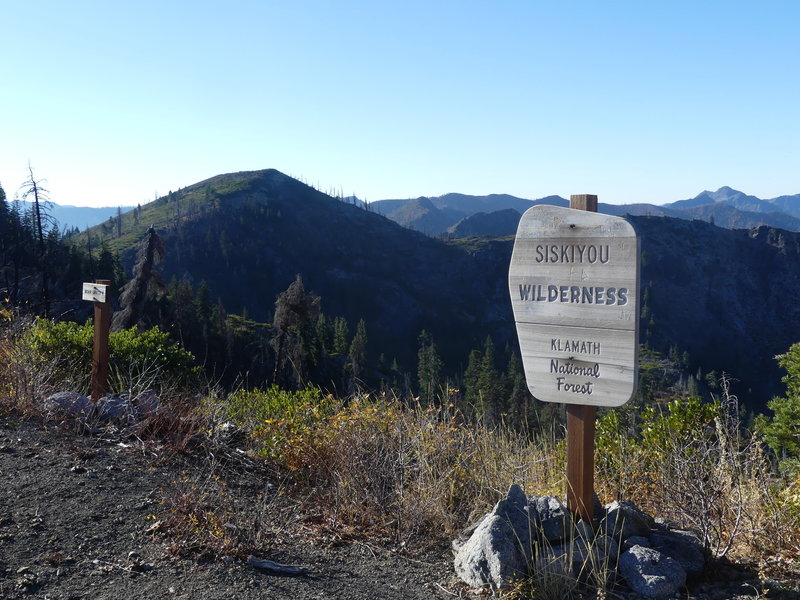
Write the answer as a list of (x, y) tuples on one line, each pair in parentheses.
[(94, 292), (97, 292), (574, 284)]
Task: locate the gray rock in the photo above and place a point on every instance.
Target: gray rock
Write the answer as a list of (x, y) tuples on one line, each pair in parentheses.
[(515, 509), (115, 409), (605, 553), (684, 547), (499, 550), (146, 404), (624, 520), (491, 557), (271, 566), (68, 404), (636, 540), (650, 573), (555, 521), (465, 534)]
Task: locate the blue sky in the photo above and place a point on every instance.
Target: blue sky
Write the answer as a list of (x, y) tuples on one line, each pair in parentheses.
[(113, 103)]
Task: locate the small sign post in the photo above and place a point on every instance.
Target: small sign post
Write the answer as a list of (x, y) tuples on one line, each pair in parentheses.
[(98, 293), (574, 284)]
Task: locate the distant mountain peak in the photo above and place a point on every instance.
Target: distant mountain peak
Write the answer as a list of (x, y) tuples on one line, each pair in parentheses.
[(728, 194)]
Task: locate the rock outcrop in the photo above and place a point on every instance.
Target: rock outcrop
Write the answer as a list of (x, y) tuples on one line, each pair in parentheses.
[(536, 537)]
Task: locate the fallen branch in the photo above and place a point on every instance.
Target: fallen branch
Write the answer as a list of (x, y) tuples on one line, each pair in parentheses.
[(277, 568)]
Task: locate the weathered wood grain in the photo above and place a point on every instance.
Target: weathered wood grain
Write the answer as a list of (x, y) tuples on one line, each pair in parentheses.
[(574, 285)]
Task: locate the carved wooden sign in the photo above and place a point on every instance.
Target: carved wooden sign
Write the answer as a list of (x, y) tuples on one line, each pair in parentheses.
[(574, 284)]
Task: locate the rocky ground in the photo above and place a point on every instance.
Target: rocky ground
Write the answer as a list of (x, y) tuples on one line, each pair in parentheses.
[(79, 519), (88, 516)]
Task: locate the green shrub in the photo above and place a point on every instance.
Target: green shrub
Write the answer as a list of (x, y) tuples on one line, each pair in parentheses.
[(282, 422), (683, 421), (251, 408), (137, 359)]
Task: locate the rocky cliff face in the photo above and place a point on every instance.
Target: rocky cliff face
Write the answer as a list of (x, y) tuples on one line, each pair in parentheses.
[(728, 297)]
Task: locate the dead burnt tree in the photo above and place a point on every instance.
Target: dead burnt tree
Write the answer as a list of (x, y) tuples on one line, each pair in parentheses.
[(34, 189), (145, 284)]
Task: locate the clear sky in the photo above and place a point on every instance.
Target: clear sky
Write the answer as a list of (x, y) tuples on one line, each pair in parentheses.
[(115, 102)]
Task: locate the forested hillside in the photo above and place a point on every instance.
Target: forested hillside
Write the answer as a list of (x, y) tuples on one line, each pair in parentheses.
[(713, 299)]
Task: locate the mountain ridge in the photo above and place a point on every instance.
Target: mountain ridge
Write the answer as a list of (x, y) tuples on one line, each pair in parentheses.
[(718, 294), (725, 207)]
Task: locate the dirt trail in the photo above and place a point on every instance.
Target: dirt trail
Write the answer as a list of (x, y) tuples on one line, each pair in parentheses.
[(74, 517)]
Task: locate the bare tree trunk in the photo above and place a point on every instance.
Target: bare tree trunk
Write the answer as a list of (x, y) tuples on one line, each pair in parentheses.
[(34, 188)]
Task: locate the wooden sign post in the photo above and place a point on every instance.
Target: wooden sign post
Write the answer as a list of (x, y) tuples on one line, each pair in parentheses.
[(574, 284), (581, 427), (98, 293)]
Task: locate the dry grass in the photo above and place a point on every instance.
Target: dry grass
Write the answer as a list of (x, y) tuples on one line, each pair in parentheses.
[(694, 465), (24, 378), (223, 508), (375, 466), (407, 473)]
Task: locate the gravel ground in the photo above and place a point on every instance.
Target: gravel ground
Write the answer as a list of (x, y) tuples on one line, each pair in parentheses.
[(88, 517), (74, 518)]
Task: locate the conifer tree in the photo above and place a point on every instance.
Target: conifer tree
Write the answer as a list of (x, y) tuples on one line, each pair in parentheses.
[(340, 333), (7, 238), (324, 335), (520, 401), (358, 348), (429, 368), (489, 402), (294, 308), (203, 305), (471, 374)]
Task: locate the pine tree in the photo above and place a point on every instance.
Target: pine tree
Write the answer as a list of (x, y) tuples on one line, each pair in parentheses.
[(294, 308), (324, 335), (203, 304), (782, 431), (471, 375), (5, 230), (520, 402), (429, 368), (489, 403), (340, 335), (7, 238), (358, 348)]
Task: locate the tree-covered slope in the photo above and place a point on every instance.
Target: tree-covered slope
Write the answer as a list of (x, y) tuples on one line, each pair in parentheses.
[(247, 235), (726, 297)]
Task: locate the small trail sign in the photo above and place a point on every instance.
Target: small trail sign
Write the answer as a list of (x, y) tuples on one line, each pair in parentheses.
[(574, 284), (97, 292), (94, 292)]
